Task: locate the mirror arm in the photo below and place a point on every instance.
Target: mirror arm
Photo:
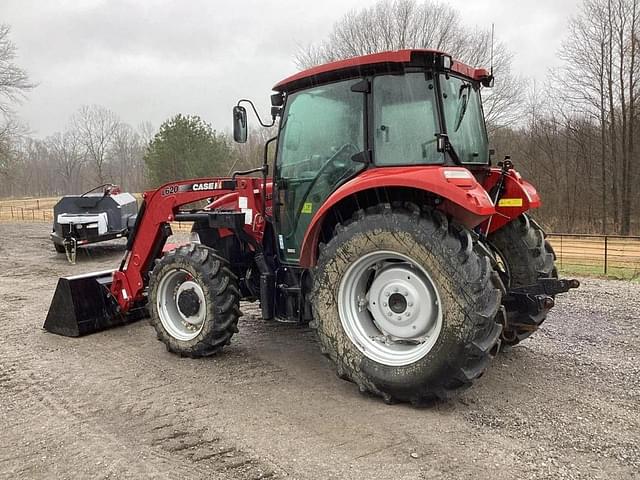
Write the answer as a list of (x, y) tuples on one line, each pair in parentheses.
[(273, 118), (246, 172)]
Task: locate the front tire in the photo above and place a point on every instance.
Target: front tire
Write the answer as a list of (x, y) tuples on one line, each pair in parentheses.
[(457, 297), (194, 301)]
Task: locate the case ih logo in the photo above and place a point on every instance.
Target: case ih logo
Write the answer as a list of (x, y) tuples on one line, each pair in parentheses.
[(192, 187), (196, 187)]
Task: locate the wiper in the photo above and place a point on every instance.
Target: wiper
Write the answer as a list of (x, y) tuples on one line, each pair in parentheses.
[(464, 101), (453, 153)]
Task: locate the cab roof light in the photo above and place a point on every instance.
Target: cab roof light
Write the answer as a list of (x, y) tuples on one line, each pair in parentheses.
[(447, 62)]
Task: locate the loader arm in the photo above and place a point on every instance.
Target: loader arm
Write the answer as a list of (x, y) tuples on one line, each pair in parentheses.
[(162, 206)]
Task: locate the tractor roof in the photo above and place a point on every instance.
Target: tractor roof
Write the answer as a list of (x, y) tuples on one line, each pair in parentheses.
[(374, 63)]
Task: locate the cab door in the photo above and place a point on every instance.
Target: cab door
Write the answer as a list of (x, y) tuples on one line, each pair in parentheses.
[(321, 129)]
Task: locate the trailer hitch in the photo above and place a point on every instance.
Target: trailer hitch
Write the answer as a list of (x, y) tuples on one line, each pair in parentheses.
[(539, 297), (70, 249)]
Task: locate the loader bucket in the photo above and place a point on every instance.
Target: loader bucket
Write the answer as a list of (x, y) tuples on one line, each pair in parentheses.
[(83, 304)]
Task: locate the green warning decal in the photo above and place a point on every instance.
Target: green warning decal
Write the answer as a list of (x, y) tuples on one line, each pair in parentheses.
[(307, 207)]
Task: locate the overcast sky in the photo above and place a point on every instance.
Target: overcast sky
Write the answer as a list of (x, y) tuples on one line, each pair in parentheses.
[(150, 59)]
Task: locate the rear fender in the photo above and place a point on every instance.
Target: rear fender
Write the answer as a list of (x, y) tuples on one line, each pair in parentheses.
[(518, 197), (461, 196)]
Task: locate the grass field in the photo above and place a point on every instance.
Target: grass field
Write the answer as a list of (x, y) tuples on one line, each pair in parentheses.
[(577, 254)]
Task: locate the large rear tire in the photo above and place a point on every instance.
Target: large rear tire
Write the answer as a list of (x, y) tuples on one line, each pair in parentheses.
[(194, 301), (526, 256), (446, 294)]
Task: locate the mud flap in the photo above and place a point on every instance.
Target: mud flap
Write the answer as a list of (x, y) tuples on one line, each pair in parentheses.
[(82, 304)]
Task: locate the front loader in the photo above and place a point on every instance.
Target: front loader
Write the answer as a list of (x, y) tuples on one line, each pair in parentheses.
[(384, 226)]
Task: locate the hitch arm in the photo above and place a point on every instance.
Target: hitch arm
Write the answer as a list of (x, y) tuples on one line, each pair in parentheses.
[(547, 286), (538, 298)]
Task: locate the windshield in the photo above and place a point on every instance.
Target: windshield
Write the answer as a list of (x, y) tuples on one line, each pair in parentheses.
[(464, 119)]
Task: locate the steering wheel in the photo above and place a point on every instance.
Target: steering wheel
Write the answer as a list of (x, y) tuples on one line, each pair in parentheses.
[(337, 158), (332, 160)]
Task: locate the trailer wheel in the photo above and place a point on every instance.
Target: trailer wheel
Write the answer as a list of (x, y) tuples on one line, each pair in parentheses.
[(403, 305), (521, 247), (59, 248), (194, 301)]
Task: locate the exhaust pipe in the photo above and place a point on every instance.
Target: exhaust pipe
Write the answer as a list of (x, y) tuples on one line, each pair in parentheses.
[(83, 304)]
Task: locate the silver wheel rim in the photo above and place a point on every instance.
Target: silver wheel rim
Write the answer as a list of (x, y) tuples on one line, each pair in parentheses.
[(179, 325), (390, 308)]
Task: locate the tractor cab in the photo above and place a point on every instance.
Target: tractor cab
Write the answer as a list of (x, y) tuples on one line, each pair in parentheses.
[(395, 109)]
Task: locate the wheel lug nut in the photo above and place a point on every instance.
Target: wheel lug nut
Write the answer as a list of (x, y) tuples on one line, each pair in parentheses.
[(386, 294), (390, 314), (384, 304), (408, 314), (410, 304), (395, 290)]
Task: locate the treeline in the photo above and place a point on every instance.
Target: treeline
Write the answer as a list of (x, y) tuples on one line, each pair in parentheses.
[(579, 138), (95, 148), (98, 148)]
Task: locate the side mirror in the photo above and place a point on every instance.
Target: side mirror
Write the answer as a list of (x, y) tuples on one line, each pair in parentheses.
[(239, 124)]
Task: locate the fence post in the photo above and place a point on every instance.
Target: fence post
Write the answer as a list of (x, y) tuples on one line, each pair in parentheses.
[(561, 255), (38, 204), (22, 212), (606, 251)]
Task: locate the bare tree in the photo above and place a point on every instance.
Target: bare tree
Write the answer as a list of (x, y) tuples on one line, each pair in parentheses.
[(67, 156), (600, 80), (127, 153), (14, 81), (251, 153), (400, 24), (97, 127), (147, 131), (10, 133)]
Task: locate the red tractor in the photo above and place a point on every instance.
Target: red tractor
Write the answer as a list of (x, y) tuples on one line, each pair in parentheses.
[(384, 227)]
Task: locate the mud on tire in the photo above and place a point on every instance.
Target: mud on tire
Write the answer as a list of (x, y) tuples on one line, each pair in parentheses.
[(528, 257), (204, 267), (467, 287)]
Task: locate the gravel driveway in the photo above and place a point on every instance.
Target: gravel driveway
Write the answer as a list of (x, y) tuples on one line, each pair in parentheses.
[(564, 404)]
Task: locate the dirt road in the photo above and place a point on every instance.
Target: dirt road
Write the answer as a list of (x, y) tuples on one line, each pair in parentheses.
[(565, 404)]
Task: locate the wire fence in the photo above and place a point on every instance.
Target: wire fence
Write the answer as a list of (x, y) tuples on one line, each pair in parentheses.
[(18, 213), (606, 254), (596, 254)]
